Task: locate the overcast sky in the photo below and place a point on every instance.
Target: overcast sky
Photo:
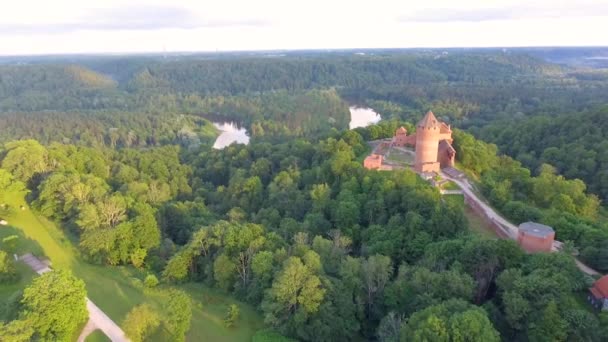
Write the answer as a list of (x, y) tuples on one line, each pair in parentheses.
[(77, 26)]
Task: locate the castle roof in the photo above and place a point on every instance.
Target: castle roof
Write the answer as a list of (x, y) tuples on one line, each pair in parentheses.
[(536, 229), (600, 288), (428, 121), (401, 130)]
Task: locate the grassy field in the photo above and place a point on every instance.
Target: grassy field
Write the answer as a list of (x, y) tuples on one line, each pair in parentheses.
[(117, 289)]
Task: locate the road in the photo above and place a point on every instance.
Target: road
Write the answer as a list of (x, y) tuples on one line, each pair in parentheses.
[(97, 318), (510, 228)]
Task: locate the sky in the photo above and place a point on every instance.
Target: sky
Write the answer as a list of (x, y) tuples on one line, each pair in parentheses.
[(125, 26)]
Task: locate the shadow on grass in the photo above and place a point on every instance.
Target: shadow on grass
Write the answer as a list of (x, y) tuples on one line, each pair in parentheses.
[(21, 245)]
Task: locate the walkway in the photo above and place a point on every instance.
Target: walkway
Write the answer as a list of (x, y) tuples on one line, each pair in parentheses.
[(97, 319), (510, 228)]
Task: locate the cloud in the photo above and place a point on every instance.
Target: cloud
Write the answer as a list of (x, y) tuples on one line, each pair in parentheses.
[(132, 18), (513, 12)]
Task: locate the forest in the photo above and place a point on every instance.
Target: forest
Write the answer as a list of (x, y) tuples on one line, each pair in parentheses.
[(117, 153), (574, 143)]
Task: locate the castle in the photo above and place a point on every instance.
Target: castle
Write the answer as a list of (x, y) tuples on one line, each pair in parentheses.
[(432, 141)]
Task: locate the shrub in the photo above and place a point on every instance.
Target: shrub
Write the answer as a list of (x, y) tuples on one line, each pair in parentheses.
[(151, 281), (231, 316)]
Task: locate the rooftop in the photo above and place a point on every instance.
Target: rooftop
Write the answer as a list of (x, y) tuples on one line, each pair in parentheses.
[(536, 229), (428, 121), (600, 288)]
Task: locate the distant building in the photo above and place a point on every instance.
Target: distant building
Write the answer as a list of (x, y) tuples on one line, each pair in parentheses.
[(373, 162), (535, 237), (598, 294), (433, 143)]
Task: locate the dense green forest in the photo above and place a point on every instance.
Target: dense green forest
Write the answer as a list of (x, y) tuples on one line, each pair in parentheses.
[(575, 144), (326, 249), (117, 152), (467, 88)]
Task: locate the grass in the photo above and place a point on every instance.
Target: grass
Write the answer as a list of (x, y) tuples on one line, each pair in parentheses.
[(97, 336), (214, 308), (401, 157), (449, 185), (478, 225), (118, 289)]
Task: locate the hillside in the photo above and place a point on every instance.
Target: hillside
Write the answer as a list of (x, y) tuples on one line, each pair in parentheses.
[(575, 143)]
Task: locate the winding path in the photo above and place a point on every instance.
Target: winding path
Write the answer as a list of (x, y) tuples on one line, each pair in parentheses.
[(97, 318), (509, 227)]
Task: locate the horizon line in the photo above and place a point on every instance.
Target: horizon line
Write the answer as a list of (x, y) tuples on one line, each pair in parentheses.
[(217, 51)]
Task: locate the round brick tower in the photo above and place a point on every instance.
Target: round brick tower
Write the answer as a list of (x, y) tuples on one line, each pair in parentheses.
[(427, 142)]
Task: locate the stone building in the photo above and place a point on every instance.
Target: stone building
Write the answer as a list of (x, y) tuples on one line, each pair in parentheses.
[(535, 237), (433, 144)]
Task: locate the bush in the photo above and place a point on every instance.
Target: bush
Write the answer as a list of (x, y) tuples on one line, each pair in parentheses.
[(8, 274), (9, 243), (151, 281), (231, 316), (141, 322)]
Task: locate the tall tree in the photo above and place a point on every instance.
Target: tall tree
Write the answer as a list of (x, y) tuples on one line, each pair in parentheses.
[(55, 305)]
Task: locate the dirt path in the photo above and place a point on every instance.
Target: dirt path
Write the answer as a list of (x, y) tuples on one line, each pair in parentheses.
[(511, 229), (97, 318)]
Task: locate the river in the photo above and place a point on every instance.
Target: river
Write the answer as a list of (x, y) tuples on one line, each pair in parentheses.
[(232, 132), (361, 117)]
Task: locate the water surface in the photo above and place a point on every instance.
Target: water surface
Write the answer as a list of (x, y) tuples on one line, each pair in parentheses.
[(361, 117), (231, 132)]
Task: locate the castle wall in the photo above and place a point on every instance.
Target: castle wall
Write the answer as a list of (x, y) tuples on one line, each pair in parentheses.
[(446, 154), (372, 162), (534, 244)]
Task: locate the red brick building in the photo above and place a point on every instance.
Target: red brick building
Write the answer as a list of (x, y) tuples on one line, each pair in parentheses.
[(598, 294), (535, 237)]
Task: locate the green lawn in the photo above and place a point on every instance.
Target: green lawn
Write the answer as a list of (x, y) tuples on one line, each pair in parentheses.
[(97, 336), (117, 289)]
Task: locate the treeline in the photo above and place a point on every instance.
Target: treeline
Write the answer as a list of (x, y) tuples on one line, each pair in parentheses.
[(576, 144), (251, 75), (107, 129), (547, 198), (466, 88)]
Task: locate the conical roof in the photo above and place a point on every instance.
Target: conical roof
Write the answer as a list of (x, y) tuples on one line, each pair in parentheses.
[(428, 121), (401, 130)]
